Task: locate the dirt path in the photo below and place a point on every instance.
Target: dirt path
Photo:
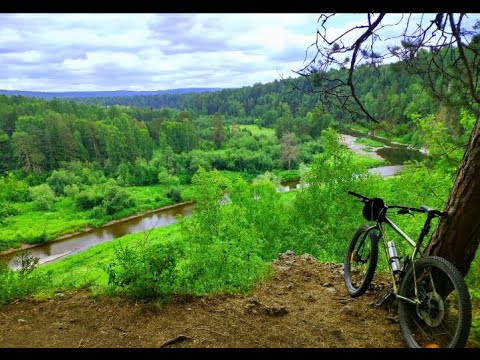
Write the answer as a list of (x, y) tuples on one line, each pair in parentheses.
[(304, 304)]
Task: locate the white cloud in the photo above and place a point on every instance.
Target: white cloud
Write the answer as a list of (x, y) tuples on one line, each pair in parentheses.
[(72, 52)]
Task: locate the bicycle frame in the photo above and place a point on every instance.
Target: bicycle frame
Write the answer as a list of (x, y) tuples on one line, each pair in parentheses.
[(415, 245), (429, 289)]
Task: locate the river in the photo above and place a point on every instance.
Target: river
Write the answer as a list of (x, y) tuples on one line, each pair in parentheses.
[(396, 154), (68, 245)]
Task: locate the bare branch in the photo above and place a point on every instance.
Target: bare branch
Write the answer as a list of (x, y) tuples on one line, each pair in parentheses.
[(435, 47), (455, 31)]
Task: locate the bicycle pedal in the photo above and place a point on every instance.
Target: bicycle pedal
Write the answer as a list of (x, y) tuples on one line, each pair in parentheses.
[(384, 299)]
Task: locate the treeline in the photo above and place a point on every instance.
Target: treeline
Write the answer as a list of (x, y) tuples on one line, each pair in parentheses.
[(135, 144), (391, 92)]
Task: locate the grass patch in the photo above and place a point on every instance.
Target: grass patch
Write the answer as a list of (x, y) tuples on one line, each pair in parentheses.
[(233, 175), (256, 131), (287, 175), (369, 142), (367, 161)]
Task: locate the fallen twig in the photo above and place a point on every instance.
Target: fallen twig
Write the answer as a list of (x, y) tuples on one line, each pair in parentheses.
[(174, 340), (120, 329)]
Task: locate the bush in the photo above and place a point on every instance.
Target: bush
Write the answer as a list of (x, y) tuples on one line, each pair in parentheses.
[(22, 283), (59, 180), (115, 199), (12, 189), (164, 177), (85, 173), (174, 194), (71, 190), (88, 199), (7, 210), (42, 196), (145, 272), (109, 197)]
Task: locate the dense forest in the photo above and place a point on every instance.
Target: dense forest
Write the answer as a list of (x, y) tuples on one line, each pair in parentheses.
[(39, 135), (402, 94), (86, 94), (77, 163)]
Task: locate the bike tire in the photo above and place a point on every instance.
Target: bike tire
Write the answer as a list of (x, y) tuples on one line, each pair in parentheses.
[(427, 324), (360, 239)]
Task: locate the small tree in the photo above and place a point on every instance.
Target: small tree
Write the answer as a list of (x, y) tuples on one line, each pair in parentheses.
[(290, 149), (218, 130)]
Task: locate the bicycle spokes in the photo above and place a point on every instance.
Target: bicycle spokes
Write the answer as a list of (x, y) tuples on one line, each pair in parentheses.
[(359, 261), (435, 319)]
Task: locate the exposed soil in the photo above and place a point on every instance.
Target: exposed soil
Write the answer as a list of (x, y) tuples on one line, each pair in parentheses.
[(350, 142), (304, 304)]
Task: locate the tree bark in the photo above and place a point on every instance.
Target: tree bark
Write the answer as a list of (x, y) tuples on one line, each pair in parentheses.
[(458, 234)]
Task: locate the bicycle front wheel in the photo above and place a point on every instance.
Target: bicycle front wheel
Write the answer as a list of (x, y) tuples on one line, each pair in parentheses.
[(361, 261), (443, 313)]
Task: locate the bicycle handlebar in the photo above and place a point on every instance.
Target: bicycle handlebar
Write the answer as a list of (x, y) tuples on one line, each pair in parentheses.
[(422, 209), (358, 195)]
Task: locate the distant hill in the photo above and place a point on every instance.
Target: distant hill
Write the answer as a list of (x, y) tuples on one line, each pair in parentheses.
[(89, 94)]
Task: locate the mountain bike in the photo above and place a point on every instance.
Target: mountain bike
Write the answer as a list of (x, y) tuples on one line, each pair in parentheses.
[(434, 305)]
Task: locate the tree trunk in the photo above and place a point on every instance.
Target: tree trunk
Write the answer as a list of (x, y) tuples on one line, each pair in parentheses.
[(458, 234)]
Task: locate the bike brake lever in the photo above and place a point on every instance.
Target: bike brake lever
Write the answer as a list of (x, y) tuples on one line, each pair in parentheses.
[(404, 211)]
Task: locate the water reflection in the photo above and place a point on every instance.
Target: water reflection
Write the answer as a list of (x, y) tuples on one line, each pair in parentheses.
[(54, 250)]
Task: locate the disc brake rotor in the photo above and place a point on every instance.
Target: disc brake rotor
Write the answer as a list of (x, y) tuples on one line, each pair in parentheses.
[(431, 309)]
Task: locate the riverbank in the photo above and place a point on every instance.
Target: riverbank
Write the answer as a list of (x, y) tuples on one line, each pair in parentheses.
[(350, 142), (30, 226), (90, 229), (394, 154), (80, 240)]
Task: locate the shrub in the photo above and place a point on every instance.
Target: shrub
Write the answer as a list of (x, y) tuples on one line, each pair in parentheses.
[(12, 189), (115, 199), (88, 199), (42, 196), (7, 210), (21, 283), (108, 197), (174, 194), (71, 190), (144, 272), (59, 180), (164, 177)]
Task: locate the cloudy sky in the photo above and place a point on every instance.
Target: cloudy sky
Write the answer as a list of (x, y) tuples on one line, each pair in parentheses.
[(86, 52)]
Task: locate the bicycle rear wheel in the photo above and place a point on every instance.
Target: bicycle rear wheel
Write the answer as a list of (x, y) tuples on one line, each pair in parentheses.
[(361, 261), (443, 316)]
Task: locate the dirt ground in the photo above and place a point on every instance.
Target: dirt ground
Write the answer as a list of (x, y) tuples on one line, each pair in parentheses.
[(305, 304)]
